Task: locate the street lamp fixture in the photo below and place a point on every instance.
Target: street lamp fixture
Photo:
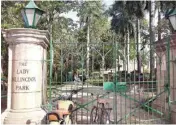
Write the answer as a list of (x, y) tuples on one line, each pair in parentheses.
[(31, 14), (171, 15)]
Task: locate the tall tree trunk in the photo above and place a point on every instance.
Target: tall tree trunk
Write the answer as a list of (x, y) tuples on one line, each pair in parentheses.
[(138, 42), (128, 49), (92, 61), (152, 36), (124, 54), (103, 59), (159, 20), (1, 68), (119, 65), (103, 62), (88, 51)]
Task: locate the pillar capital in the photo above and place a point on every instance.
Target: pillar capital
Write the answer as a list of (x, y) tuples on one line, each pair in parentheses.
[(27, 36), (161, 46)]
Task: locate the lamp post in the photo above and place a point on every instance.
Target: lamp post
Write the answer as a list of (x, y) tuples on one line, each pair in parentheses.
[(31, 14), (27, 52), (171, 15)]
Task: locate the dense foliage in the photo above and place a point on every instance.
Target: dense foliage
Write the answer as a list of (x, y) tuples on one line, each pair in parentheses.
[(94, 35)]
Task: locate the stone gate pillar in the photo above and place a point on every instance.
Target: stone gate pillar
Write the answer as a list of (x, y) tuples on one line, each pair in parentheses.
[(27, 55), (161, 102)]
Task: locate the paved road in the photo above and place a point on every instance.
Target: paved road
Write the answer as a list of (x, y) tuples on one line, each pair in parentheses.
[(123, 105)]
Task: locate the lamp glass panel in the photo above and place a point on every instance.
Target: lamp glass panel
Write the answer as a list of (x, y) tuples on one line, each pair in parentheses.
[(24, 16), (173, 21), (37, 17), (30, 16)]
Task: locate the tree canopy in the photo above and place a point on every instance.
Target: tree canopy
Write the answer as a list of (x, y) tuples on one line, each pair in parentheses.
[(126, 26)]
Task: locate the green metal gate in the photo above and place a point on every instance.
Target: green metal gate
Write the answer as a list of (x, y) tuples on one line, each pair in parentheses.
[(135, 96)]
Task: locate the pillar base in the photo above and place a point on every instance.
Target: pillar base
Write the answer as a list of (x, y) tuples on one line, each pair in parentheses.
[(4, 115), (25, 116)]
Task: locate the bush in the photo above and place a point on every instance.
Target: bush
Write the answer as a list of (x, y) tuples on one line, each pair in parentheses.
[(97, 82), (81, 71), (95, 75)]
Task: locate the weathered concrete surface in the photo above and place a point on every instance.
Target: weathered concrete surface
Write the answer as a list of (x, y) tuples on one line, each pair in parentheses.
[(162, 75), (26, 66)]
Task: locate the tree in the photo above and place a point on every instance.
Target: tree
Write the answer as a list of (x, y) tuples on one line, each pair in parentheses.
[(91, 18), (11, 14), (152, 6), (58, 27), (10, 18), (135, 12), (121, 23), (136, 9), (152, 36)]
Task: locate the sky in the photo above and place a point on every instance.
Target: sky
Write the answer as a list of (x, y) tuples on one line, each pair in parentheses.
[(108, 3), (73, 16)]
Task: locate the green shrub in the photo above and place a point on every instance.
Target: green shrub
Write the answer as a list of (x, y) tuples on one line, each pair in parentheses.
[(97, 82), (80, 71), (95, 75)]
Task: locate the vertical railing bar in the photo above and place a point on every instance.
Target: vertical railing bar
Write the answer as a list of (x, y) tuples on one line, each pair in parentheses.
[(82, 60), (130, 93), (115, 80), (91, 86), (61, 65), (139, 80), (82, 91), (160, 61), (148, 91), (51, 70), (67, 44), (152, 79), (134, 82), (143, 79), (126, 81), (168, 67), (173, 85), (140, 88)]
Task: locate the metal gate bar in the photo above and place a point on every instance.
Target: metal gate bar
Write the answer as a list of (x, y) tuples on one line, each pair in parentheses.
[(126, 116), (128, 97), (122, 95)]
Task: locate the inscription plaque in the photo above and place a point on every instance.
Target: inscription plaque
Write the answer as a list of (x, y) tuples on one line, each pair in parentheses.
[(22, 80)]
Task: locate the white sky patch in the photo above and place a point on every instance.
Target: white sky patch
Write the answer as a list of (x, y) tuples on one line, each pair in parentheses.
[(75, 18), (72, 15), (108, 3)]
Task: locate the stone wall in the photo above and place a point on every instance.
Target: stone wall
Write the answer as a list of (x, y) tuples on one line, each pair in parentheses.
[(161, 103)]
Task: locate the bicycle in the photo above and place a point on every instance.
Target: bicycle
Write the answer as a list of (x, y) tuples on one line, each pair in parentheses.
[(63, 110), (99, 113)]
